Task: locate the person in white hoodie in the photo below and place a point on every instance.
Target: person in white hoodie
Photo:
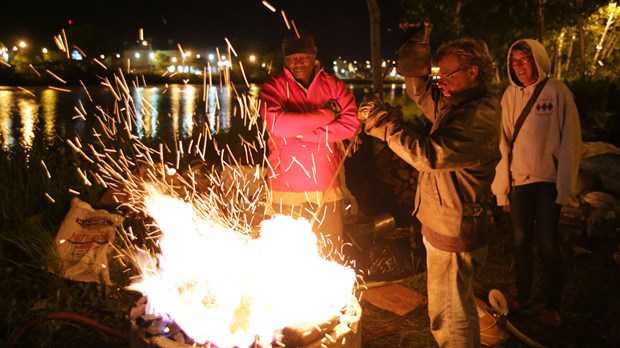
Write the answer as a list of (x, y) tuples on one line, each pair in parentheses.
[(538, 171)]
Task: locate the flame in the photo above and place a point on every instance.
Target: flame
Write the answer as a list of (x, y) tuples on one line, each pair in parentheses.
[(227, 288)]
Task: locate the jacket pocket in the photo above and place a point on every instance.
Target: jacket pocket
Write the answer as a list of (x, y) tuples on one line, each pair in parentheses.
[(475, 221)]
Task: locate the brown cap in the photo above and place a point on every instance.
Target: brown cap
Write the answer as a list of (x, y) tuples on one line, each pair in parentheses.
[(292, 44)]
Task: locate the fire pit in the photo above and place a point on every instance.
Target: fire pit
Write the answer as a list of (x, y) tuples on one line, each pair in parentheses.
[(209, 285), (148, 331)]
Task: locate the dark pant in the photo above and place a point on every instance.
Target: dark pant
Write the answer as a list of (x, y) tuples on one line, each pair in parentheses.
[(535, 217)]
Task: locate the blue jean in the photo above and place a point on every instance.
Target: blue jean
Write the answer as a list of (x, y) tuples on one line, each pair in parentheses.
[(451, 308), (535, 218)]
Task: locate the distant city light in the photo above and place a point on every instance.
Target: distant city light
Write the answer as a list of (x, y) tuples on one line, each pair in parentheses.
[(224, 63), (137, 55), (76, 55), (252, 58)]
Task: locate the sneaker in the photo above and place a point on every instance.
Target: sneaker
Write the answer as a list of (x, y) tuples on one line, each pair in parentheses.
[(550, 318), (515, 306)]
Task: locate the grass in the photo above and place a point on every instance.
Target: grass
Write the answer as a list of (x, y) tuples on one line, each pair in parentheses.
[(28, 290)]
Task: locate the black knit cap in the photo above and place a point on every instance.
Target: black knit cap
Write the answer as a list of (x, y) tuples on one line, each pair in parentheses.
[(292, 44)]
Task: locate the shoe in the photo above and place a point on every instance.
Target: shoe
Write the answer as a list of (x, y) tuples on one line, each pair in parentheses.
[(515, 306), (550, 318)]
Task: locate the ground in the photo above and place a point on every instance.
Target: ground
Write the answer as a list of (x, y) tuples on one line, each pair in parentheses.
[(591, 307)]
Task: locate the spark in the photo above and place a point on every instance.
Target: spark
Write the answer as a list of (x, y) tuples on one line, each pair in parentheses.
[(55, 76), (214, 208), (80, 50), (65, 43), (269, 6), (101, 64), (59, 43), (35, 70), (230, 46), (86, 90), (79, 115), (49, 198), (27, 91), (295, 27), (243, 73), (288, 27), (47, 172), (66, 90)]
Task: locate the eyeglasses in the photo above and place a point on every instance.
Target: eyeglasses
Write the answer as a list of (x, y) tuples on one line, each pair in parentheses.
[(521, 61), (449, 75)]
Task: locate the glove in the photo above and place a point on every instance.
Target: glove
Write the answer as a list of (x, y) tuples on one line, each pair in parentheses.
[(383, 120), (369, 104), (333, 105), (414, 56)]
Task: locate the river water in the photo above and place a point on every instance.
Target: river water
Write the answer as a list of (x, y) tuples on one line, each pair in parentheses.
[(43, 116)]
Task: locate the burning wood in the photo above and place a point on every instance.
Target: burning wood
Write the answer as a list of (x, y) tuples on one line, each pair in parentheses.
[(344, 331)]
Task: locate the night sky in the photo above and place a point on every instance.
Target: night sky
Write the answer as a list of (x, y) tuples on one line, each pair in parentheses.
[(340, 27)]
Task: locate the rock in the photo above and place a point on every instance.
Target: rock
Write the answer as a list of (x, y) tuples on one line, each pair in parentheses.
[(599, 200)]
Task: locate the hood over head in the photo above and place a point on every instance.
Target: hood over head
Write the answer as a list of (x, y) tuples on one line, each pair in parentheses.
[(543, 63)]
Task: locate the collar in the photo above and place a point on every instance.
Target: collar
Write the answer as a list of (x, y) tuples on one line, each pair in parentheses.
[(466, 95), (317, 70)]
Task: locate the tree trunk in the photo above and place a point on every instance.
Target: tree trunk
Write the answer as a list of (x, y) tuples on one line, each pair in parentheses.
[(582, 48), (375, 47), (541, 20)]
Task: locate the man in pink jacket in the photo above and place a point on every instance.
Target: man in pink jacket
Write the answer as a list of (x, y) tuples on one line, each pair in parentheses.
[(307, 111)]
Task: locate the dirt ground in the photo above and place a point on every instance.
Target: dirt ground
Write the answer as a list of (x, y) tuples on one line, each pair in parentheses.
[(591, 304)]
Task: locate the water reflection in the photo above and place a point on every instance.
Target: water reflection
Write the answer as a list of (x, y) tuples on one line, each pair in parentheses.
[(47, 116), (219, 106), (146, 100), (6, 101), (27, 109), (48, 104)]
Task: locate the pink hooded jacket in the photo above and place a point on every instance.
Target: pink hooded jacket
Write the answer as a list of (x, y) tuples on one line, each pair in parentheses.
[(302, 133)]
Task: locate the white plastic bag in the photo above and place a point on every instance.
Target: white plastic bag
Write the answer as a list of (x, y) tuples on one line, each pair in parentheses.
[(83, 242)]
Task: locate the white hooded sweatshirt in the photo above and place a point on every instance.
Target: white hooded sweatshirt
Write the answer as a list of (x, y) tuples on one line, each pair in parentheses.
[(548, 146)]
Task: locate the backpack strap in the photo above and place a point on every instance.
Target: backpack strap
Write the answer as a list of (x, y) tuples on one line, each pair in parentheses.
[(528, 107)]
